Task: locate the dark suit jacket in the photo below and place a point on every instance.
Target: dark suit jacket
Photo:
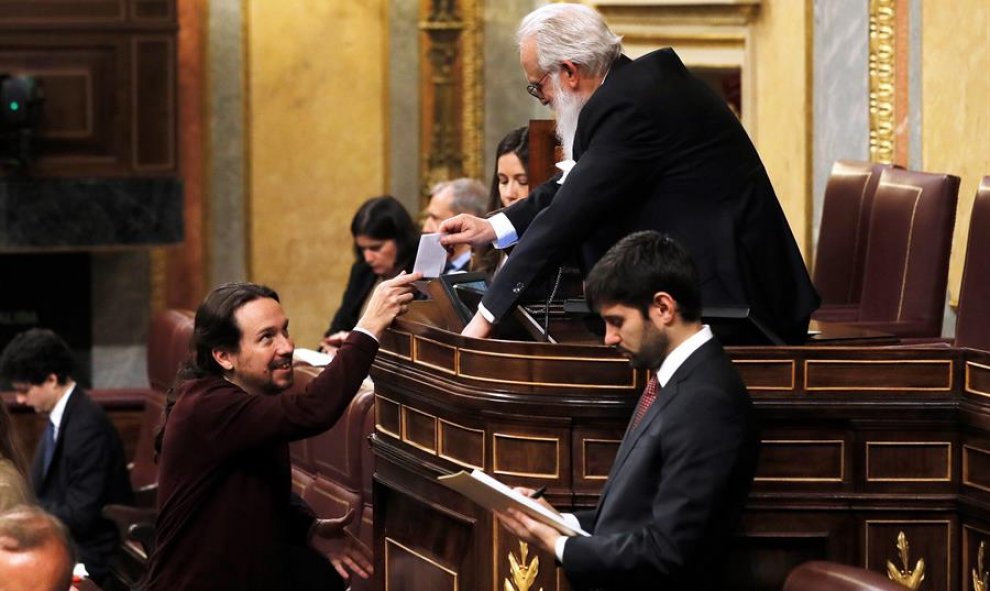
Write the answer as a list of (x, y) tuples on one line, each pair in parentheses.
[(676, 489), (88, 471), (359, 285), (656, 149)]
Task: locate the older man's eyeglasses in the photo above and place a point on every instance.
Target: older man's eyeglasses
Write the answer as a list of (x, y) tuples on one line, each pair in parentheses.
[(535, 89)]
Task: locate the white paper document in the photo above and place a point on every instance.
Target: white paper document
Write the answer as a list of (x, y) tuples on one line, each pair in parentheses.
[(311, 357), (431, 257), (496, 496)]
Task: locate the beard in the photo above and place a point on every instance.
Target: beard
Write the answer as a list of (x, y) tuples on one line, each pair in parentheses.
[(653, 347), (566, 107)]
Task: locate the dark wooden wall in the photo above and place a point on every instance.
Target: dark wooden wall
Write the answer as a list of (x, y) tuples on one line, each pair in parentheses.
[(108, 72)]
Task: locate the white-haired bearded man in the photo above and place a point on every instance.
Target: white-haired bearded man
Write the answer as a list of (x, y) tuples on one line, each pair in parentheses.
[(654, 148)]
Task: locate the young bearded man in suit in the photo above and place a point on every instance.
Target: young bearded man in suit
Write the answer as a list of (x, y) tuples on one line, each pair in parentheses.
[(79, 465), (653, 148), (683, 470)]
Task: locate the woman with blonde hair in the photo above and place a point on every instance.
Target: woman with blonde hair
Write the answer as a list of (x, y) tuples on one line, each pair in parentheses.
[(14, 489)]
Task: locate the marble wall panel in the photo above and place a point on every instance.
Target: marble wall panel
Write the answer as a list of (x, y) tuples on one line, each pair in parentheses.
[(841, 90), (507, 104), (120, 294), (317, 128), (227, 260), (404, 104)]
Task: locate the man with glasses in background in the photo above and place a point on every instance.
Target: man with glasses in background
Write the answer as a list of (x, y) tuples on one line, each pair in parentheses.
[(648, 146)]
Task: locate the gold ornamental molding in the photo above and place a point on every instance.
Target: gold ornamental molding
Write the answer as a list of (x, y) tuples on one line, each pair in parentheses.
[(906, 576), (451, 89), (392, 547), (523, 573), (882, 83), (971, 367), (981, 577)]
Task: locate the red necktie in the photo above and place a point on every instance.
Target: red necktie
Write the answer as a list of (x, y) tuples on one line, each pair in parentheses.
[(645, 401)]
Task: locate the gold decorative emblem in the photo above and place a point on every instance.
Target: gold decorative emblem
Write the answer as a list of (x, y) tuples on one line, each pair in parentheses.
[(523, 574), (980, 580), (909, 578)]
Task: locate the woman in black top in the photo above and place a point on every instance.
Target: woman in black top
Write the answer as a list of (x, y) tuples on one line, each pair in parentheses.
[(385, 241)]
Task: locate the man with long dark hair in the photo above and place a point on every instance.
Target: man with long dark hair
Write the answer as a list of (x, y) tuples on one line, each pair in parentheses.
[(226, 515)]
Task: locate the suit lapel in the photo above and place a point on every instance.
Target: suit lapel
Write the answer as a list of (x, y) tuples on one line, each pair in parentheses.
[(666, 395)]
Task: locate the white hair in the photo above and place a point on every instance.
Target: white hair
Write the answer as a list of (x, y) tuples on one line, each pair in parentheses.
[(570, 32)]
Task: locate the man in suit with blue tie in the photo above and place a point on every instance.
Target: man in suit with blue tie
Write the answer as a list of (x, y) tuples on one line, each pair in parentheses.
[(79, 465), (683, 471)]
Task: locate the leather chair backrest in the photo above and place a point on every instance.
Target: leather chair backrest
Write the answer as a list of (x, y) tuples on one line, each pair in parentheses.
[(973, 319), (300, 453), (820, 575), (908, 246), (337, 451), (169, 342), (841, 252), (144, 470)]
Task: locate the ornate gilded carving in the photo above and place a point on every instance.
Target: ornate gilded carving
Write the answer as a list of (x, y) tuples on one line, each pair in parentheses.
[(473, 96), (453, 98), (523, 573), (980, 576), (909, 578), (882, 63)]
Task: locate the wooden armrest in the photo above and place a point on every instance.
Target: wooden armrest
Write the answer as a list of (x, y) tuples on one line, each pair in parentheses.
[(134, 524), (143, 534), (146, 496)]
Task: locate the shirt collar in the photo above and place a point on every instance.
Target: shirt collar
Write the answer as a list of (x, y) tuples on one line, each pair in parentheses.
[(461, 261), (681, 352), (59, 409)]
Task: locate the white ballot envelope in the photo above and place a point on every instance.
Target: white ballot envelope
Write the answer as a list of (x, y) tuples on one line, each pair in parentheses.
[(431, 257), (314, 358), (496, 496)]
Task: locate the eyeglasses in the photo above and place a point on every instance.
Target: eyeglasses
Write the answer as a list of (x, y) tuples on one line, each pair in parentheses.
[(536, 89)]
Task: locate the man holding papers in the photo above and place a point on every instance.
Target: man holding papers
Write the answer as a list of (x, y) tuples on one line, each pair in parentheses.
[(683, 470)]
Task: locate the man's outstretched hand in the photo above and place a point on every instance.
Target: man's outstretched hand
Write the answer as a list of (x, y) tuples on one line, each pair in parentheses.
[(466, 229), (347, 553)]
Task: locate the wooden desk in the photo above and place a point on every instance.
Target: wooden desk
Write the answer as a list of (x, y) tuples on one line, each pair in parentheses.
[(834, 333), (859, 444)]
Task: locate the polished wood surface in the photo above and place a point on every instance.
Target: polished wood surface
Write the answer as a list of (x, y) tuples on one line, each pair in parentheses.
[(860, 443), (822, 333)]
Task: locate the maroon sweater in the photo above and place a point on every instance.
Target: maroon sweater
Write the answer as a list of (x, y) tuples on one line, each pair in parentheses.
[(224, 513)]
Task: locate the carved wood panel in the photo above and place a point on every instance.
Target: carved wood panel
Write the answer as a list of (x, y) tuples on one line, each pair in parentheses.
[(108, 73)]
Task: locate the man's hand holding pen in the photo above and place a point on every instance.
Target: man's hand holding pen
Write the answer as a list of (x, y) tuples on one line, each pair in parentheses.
[(528, 529)]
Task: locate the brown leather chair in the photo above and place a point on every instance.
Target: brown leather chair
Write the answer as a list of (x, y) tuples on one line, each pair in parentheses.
[(973, 319), (337, 454), (841, 253), (300, 453), (907, 255), (169, 346), (169, 340), (363, 525), (820, 575)]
